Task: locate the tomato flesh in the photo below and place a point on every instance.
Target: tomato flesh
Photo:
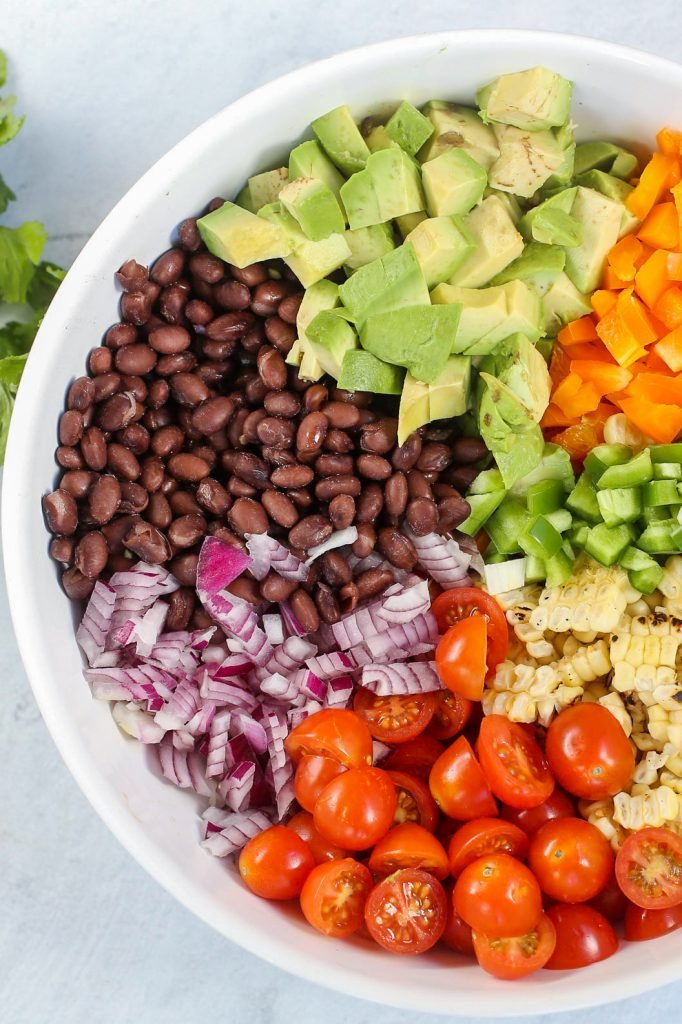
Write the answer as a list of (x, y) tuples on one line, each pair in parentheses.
[(332, 732), (356, 809), (499, 896), (518, 956), (461, 657), (334, 895), (276, 863), (451, 714), (416, 756), (406, 913), (415, 805), (530, 819), (571, 859), (394, 719), (459, 786), (458, 934), (588, 752), (643, 924), (649, 868), (481, 837), (460, 603), (409, 846), (312, 775), (513, 762), (583, 937), (322, 850)]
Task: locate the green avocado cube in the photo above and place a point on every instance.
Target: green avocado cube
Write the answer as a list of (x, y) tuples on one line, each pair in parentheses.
[(361, 371), (450, 392), (265, 188), (314, 206), (414, 409), (561, 303), (341, 139), (368, 244), (550, 222), (409, 128), (601, 219), (409, 222), (453, 183), (527, 160), (332, 337), (240, 237), (489, 315), (379, 138), (538, 265), (388, 187), (388, 283), (309, 260), (309, 160), (605, 156), (533, 100), (442, 245), (320, 296), (458, 127), (564, 173), (497, 243), (416, 337)]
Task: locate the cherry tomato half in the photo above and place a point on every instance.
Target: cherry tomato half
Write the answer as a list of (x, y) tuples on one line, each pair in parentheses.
[(513, 762), (459, 786), (462, 602), (583, 936), (406, 913), (458, 934), (460, 657), (276, 863), (322, 850), (334, 896), (610, 901), (571, 859), (530, 819), (518, 956), (415, 804), (417, 756), (483, 836), (588, 752), (332, 732), (409, 846), (451, 714), (312, 775), (394, 719), (356, 809), (498, 895), (649, 868), (643, 924)]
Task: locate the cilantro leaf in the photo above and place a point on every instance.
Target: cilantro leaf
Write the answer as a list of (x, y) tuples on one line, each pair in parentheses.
[(44, 283), (20, 251), (6, 195), (9, 122)]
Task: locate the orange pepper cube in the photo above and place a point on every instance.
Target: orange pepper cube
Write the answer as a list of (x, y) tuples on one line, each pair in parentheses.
[(669, 142), (623, 257), (602, 301), (652, 278), (668, 309), (636, 318), (575, 397), (577, 332), (669, 349), (656, 178), (661, 229), (618, 339)]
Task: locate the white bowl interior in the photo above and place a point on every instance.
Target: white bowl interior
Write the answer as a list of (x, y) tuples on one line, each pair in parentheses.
[(620, 94)]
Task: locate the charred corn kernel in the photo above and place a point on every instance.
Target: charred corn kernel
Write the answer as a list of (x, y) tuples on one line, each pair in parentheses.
[(654, 808), (595, 690), (613, 702), (517, 707), (673, 764), (600, 814), (592, 601), (671, 584), (541, 650), (671, 780), (526, 597), (587, 637), (639, 607), (646, 772)]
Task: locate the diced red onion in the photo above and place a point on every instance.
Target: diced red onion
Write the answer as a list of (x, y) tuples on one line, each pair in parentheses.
[(183, 739), (401, 678), (279, 687), (200, 723), (423, 629), (219, 565), (136, 722), (404, 605), (310, 685), (232, 665), (129, 683), (252, 731), (339, 539), (470, 547), (267, 553), (288, 657), (291, 622), (217, 762), (183, 705), (339, 692), (276, 729), (327, 666), (274, 629), (235, 832), (442, 559), (238, 785), (148, 629), (96, 623), (231, 690)]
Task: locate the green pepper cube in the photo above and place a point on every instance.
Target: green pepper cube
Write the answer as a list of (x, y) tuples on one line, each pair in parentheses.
[(634, 558), (561, 519), (657, 514), (535, 569), (661, 492), (603, 457), (620, 505), (559, 568), (676, 534), (540, 538), (666, 452), (578, 534), (507, 524), (545, 496), (646, 580), (630, 474), (667, 471), (607, 543), (658, 538), (481, 508), (582, 501)]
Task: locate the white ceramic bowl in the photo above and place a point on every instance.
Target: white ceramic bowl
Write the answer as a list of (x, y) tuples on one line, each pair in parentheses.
[(620, 94)]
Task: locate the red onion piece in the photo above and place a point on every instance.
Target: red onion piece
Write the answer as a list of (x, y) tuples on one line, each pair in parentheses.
[(401, 678)]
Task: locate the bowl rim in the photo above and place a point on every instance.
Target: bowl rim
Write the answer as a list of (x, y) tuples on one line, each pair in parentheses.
[(78, 760)]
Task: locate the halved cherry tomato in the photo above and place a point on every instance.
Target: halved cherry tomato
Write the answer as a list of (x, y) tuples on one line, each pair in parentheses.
[(312, 774), (583, 936), (610, 901), (451, 714), (460, 657), (649, 868), (406, 913), (409, 846), (417, 756), (394, 719), (415, 804), (571, 859), (530, 819), (356, 809), (457, 934), (516, 957), (498, 895), (588, 752), (276, 863), (332, 732), (513, 762), (643, 924), (479, 838), (459, 786), (462, 602), (322, 850), (334, 896)]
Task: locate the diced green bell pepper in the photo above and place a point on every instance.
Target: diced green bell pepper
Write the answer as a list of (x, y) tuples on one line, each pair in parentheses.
[(603, 457), (667, 471), (646, 580), (582, 501), (661, 492), (482, 507), (658, 538), (535, 569), (620, 505), (507, 524), (540, 538), (558, 569), (545, 496), (657, 514), (666, 452), (607, 543), (561, 520), (631, 474)]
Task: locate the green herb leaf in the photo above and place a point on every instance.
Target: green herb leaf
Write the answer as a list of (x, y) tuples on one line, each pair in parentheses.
[(20, 251), (6, 406), (3, 68), (9, 122), (17, 338), (11, 369), (44, 284), (6, 195)]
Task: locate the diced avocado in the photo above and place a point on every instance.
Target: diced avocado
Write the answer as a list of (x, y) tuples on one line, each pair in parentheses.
[(612, 187), (309, 160), (526, 160), (388, 187), (450, 392), (331, 337), (320, 296), (361, 371), (409, 128), (601, 219), (481, 507), (265, 188), (551, 222), (518, 364), (510, 203), (414, 407), (294, 355), (368, 244), (416, 337), (525, 450), (532, 100), (453, 183), (497, 244), (554, 464), (314, 206), (460, 127), (561, 303), (310, 261), (605, 156), (391, 282), (564, 173), (442, 244), (500, 414), (379, 138), (341, 139), (240, 237), (491, 314), (538, 264), (244, 199), (409, 222)]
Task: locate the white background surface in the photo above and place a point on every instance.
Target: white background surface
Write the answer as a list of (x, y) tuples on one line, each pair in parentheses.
[(85, 936)]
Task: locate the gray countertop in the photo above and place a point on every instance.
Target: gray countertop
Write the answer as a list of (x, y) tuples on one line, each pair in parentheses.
[(86, 937)]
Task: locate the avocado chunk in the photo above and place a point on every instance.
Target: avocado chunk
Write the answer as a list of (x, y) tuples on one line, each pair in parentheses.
[(561, 303), (417, 337), (605, 156), (414, 407), (551, 222), (564, 173), (600, 218), (320, 296), (508, 429), (379, 138), (489, 315), (388, 187), (453, 183), (532, 100), (612, 187), (309, 160), (314, 206), (361, 371), (442, 245), (388, 283), (341, 139), (240, 237), (518, 364), (262, 189), (409, 222), (461, 128), (510, 203), (555, 464), (450, 392), (368, 244), (331, 337), (409, 128), (497, 243), (539, 265), (526, 160), (310, 261)]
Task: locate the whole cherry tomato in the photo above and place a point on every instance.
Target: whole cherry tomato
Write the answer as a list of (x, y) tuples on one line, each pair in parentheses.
[(461, 657), (332, 732), (415, 756), (450, 716), (530, 819), (394, 719), (458, 784), (643, 924), (518, 956), (409, 846), (610, 901), (583, 937), (499, 896), (571, 859), (462, 602), (406, 913), (588, 752), (513, 762), (334, 896), (276, 863), (356, 809), (312, 775), (415, 804), (649, 868), (483, 836), (322, 850), (457, 935)]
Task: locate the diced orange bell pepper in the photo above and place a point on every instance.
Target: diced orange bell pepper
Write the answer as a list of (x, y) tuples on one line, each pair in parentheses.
[(623, 257), (647, 251), (578, 331), (676, 192), (654, 363), (668, 309), (610, 280), (669, 349), (652, 279), (559, 364), (606, 377), (599, 417), (592, 350), (657, 387), (656, 178), (602, 301), (618, 339), (575, 397), (661, 229), (669, 142), (579, 440), (636, 318), (674, 266), (554, 417), (662, 423)]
